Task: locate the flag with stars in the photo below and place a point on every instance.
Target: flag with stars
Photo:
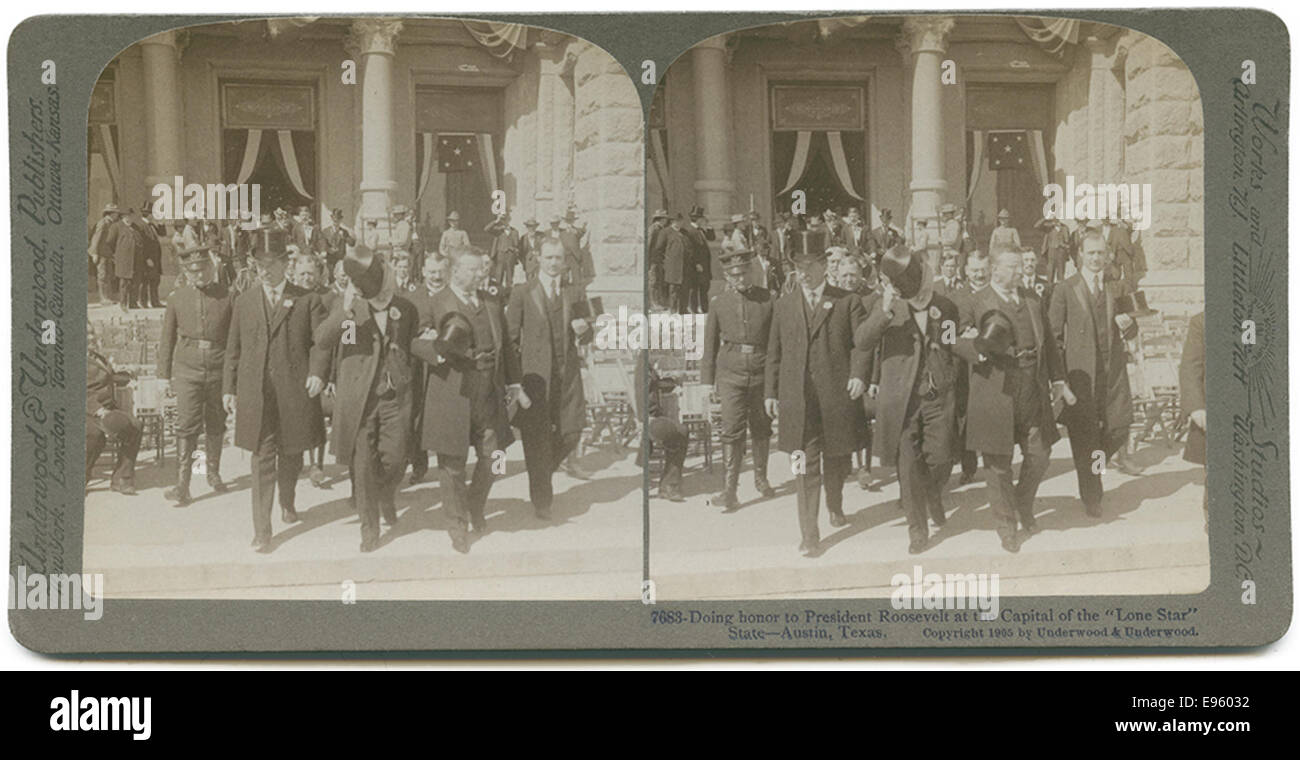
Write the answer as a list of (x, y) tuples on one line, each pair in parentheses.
[(1008, 150), (457, 153)]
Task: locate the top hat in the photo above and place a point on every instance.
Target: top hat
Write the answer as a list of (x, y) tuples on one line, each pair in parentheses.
[(809, 246), (696, 212), (111, 208), (660, 214), (270, 243), (570, 216), (530, 223), (1134, 304), (455, 335), (737, 218), (997, 334), (453, 216), (904, 270), (194, 259), (366, 271)]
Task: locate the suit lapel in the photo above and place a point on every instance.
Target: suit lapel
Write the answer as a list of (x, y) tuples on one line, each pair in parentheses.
[(822, 312), (539, 298), (281, 309)]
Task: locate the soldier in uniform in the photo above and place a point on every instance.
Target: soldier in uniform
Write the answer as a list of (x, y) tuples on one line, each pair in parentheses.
[(814, 378), (191, 356), (1087, 324), (1004, 237), (1012, 391), (735, 345), (1056, 249), (545, 326), (453, 237), (466, 391), (266, 386), (529, 246), (103, 242), (372, 406), (503, 254), (915, 328)]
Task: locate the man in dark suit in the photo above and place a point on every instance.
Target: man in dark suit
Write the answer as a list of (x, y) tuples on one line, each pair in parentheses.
[(503, 255), (884, 237), (1087, 325), (699, 262), (1030, 279), (435, 279), (949, 281), (191, 357), (336, 240), (662, 429), (465, 391), (814, 378), (128, 259), (368, 333), (105, 419), (306, 235), (579, 269), (1011, 394), (676, 277), (546, 321), (149, 265), (1056, 249), (530, 243), (266, 386), (915, 329), (735, 347), (977, 278), (658, 238)]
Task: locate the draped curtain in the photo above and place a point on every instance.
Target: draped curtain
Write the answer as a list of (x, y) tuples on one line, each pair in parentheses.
[(501, 39), (811, 147), (1051, 34), (659, 162), (426, 159), (273, 157)]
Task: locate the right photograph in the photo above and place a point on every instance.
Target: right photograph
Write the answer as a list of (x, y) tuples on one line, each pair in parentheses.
[(939, 284)]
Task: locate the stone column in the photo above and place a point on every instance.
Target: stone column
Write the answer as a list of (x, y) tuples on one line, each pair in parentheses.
[(1098, 74), (164, 113), (713, 185), (374, 41), (555, 123), (925, 39)]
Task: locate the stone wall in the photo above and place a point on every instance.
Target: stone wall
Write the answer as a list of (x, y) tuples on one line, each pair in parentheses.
[(1163, 133)]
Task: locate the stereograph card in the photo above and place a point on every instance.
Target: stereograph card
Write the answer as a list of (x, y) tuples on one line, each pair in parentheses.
[(640, 333)]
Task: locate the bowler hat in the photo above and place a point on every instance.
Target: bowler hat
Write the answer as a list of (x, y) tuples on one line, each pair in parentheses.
[(455, 335), (111, 208), (530, 223), (366, 271), (1134, 304), (660, 214), (737, 218), (903, 268), (997, 334), (948, 208), (453, 216), (270, 243)]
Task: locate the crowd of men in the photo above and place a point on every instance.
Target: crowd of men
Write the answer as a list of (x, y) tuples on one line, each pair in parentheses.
[(925, 352), (302, 333)]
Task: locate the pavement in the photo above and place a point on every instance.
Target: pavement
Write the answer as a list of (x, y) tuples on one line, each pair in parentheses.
[(1150, 538), (148, 548)]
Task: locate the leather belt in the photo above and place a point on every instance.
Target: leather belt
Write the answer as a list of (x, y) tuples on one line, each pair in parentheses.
[(1026, 357), (745, 348), (203, 343)]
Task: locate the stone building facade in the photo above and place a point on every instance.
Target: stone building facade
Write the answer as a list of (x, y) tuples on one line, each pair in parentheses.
[(559, 116), (896, 111)]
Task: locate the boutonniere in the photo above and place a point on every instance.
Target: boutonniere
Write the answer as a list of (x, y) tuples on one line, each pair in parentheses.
[(827, 305), (394, 312), (288, 303), (934, 312), (492, 289)]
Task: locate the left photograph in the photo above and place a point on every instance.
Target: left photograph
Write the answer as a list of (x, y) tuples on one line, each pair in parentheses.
[(344, 280)]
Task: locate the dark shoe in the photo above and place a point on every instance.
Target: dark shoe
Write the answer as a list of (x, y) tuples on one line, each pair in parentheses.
[(838, 520), (177, 494), (1126, 466), (1093, 510), (762, 450), (1010, 544), (460, 541), (216, 483), (180, 493), (477, 525), (938, 516), (916, 547), (126, 489), (369, 544), (317, 477), (1031, 527), (261, 545), (763, 487), (390, 519), (729, 501), (807, 549), (289, 515)]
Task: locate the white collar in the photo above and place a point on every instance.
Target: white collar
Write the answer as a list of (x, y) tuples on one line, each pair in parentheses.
[(1011, 296)]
